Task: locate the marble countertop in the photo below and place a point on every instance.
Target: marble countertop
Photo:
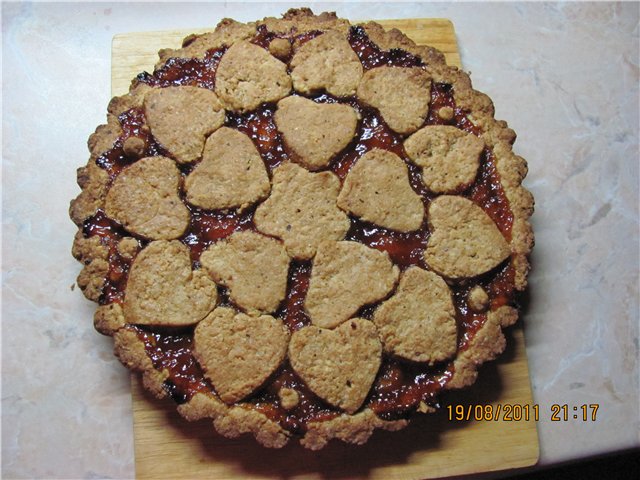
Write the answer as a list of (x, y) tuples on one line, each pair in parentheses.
[(565, 76)]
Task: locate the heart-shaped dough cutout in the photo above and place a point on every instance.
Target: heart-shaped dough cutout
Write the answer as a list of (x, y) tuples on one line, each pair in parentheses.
[(418, 322), (181, 118), (144, 199), (162, 289), (401, 94), (464, 241), (315, 132), (338, 365), (302, 210), (252, 266), (231, 173), (377, 190), (238, 352), (248, 76), (346, 276), (449, 157), (326, 62)]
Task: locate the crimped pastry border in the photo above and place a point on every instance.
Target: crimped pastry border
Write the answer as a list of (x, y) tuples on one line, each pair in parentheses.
[(232, 421)]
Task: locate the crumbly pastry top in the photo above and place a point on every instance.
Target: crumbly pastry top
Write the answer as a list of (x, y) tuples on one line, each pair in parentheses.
[(303, 228)]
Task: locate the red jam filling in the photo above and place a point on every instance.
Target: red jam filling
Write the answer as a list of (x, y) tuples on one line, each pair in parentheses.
[(400, 386)]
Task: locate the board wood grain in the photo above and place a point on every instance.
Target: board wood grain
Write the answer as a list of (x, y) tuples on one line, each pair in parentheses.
[(166, 446)]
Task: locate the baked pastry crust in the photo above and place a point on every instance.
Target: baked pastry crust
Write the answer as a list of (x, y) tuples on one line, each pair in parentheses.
[(123, 263)]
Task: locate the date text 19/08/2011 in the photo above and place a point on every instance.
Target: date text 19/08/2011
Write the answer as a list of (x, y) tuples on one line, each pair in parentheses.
[(514, 412)]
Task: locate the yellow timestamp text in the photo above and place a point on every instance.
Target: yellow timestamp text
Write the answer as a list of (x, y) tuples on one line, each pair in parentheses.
[(515, 412)]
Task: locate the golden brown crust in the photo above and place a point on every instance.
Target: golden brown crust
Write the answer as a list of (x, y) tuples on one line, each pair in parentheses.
[(130, 350), (92, 278), (202, 406), (394, 38), (226, 34), (108, 319), (94, 257), (354, 429), (304, 20), (233, 421), (487, 343), (240, 419), (94, 182)]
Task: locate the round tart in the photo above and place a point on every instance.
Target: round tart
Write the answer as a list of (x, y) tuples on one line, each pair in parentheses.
[(302, 228)]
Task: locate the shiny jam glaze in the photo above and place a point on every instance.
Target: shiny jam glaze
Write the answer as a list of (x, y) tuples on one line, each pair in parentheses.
[(207, 227), (292, 310), (110, 233), (372, 56), (489, 194), (185, 71), (309, 408), (405, 249), (372, 133), (172, 351), (260, 126), (400, 387), (132, 123)]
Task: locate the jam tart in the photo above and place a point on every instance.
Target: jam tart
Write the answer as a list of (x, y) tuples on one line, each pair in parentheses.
[(303, 229)]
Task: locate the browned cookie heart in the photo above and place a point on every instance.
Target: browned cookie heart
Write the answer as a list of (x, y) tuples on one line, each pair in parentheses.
[(338, 365), (326, 62), (248, 76), (183, 133), (144, 199), (419, 321), (230, 175), (401, 94), (464, 241), (345, 277), (252, 266), (315, 132), (163, 289), (377, 190), (239, 352), (449, 157), (302, 210)]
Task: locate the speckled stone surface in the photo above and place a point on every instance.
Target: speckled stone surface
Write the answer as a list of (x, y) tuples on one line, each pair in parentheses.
[(565, 77)]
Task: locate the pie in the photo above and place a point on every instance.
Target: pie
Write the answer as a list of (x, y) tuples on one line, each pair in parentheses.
[(303, 229)]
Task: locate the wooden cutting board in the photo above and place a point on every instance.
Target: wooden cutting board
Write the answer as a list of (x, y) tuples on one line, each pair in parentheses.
[(166, 446)]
